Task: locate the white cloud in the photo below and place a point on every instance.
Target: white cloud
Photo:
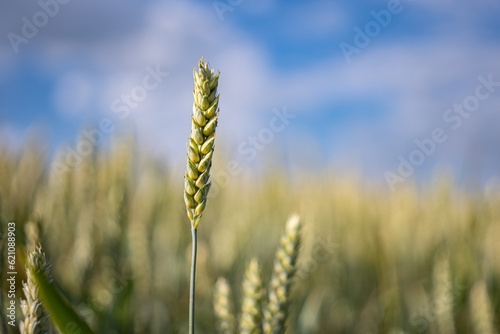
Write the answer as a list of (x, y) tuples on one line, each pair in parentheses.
[(418, 79)]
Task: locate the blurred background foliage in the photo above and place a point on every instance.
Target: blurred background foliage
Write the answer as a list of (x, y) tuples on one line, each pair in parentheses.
[(115, 227)]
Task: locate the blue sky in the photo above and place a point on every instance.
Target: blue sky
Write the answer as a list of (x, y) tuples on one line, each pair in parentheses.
[(366, 112)]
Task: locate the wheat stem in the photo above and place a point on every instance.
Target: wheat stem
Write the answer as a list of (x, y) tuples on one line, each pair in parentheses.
[(194, 234)]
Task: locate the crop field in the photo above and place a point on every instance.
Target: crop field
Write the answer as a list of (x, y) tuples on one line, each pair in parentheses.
[(422, 259)]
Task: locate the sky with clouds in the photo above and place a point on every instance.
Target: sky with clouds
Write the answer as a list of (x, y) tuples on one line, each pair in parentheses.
[(358, 91)]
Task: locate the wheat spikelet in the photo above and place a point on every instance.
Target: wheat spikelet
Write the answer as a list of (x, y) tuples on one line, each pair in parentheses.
[(480, 310), (284, 268), (223, 307), (35, 318), (201, 141), (251, 308), (443, 297)]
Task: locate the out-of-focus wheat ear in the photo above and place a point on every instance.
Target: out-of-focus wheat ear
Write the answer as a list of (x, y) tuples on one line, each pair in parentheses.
[(32, 231), (36, 319), (251, 307), (443, 296), (481, 311), (285, 261), (223, 307)]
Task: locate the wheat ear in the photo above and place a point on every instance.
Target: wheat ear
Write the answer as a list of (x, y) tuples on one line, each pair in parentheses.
[(284, 268), (223, 307), (481, 311), (443, 296), (36, 320), (201, 141), (251, 307), (200, 150)]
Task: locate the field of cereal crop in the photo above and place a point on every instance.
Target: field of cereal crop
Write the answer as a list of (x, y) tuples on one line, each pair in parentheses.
[(371, 261)]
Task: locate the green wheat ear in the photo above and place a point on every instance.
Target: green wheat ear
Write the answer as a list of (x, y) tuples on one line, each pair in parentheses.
[(58, 308), (201, 141), (36, 319), (223, 307), (281, 280), (251, 307)]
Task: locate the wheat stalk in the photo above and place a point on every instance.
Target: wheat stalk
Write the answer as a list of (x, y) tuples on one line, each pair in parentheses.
[(223, 307), (251, 308), (35, 318), (199, 158), (284, 268)]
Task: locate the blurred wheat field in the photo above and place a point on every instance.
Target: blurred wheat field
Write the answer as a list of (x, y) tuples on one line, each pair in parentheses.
[(115, 228)]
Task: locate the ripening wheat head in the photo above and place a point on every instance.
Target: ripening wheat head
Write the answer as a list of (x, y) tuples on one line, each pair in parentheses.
[(201, 141), (223, 307), (481, 310), (251, 306), (281, 280), (443, 295), (35, 317)]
